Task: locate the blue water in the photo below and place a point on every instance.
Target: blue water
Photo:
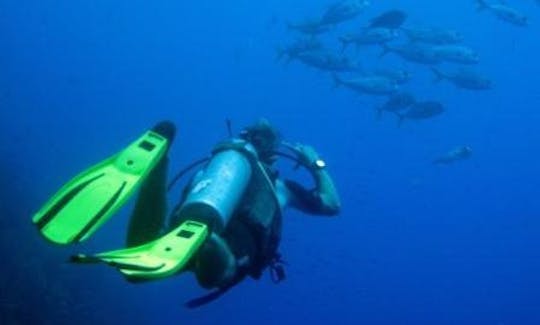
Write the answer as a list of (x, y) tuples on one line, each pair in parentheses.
[(414, 243)]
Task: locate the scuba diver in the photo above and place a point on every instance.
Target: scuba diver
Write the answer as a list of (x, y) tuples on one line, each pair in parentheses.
[(226, 226)]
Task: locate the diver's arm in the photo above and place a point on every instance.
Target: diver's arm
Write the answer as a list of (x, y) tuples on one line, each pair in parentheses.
[(323, 199), (327, 191)]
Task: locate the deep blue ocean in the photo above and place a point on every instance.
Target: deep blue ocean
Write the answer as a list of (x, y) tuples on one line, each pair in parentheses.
[(415, 243)]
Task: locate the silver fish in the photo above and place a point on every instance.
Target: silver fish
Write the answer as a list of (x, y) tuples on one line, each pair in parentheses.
[(505, 13), (343, 11), (436, 36), (297, 47), (309, 27), (421, 110), (396, 102), (372, 85), (399, 76), (459, 153), (413, 52), (466, 79), (328, 61), (457, 54), (369, 36)]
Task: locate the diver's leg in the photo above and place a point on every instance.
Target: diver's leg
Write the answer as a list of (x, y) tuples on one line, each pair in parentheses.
[(215, 264), (227, 259), (148, 217)]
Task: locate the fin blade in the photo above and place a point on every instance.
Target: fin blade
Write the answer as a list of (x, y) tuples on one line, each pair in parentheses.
[(80, 211), (81, 206)]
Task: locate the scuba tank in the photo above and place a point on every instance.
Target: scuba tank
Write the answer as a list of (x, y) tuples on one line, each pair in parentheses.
[(219, 188)]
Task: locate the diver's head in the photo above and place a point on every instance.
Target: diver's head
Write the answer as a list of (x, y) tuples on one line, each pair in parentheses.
[(264, 138)]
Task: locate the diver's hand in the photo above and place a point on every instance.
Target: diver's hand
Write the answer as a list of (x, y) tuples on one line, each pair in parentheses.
[(307, 155)]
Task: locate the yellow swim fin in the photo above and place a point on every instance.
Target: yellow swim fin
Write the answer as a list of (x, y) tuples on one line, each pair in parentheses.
[(157, 259), (82, 205)]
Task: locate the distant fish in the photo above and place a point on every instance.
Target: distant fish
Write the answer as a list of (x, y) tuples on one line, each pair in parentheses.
[(368, 36), (459, 153), (324, 60), (309, 27), (505, 13), (343, 11), (466, 79), (399, 76), (390, 19), (297, 47), (436, 36), (421, 110), (371, 85), (457, 54), (396, 102), (413, 52)]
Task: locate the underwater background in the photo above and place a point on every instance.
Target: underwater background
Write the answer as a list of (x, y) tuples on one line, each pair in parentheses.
[(415, 243)]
